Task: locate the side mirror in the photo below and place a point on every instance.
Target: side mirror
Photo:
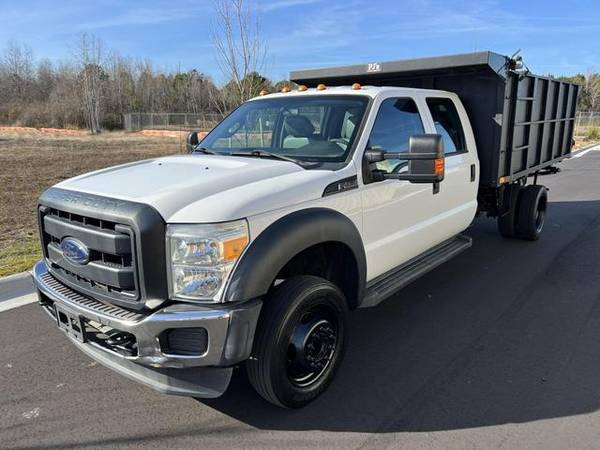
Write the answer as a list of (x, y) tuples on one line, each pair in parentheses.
[(191, 141), (425, 160)]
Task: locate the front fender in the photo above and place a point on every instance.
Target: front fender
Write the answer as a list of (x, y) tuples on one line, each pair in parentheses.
[(284, 239)]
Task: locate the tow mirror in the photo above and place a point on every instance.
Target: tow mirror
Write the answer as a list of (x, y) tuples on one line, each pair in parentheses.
[(192, 141), (425, 160)]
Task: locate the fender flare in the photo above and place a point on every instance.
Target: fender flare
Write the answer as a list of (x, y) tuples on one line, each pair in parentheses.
[(284, 239)]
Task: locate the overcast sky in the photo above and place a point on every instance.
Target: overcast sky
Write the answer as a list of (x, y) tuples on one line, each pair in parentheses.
[(558, 37)]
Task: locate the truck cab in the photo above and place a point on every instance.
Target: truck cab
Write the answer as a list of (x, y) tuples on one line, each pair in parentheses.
[(296, 209)]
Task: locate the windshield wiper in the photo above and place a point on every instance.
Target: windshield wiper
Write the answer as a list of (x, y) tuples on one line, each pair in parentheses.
[(264, 154), (204, 150)]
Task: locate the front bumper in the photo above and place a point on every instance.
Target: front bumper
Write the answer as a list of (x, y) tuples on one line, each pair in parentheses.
[(229, 328)]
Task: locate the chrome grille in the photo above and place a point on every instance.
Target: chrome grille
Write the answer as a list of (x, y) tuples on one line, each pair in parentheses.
[(110, 273)]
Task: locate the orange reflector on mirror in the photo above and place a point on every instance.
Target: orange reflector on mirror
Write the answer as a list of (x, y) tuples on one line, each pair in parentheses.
[(439, 167)]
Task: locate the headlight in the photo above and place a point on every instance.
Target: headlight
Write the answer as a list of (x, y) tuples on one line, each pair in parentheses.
[(201, 257)]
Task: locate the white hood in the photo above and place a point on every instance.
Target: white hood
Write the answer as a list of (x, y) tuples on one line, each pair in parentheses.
[(206, 188)]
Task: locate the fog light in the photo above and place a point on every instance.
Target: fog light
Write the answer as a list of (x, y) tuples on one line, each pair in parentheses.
[(185, 341)]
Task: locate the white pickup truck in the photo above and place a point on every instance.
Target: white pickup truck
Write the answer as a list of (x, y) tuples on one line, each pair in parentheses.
[(296, 209)]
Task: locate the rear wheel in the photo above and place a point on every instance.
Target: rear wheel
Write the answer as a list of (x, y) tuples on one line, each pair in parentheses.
[(300, 341), (507, 222), (533, 202)]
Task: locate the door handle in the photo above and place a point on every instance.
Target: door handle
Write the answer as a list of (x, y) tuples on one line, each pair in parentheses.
[(472, 172)]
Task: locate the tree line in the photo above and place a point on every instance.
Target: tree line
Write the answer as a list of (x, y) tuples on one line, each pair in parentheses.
[(96, 86), (94, 89)]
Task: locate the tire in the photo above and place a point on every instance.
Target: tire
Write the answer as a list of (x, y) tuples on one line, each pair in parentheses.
[(533, 202), (507, 223), (300, 341)]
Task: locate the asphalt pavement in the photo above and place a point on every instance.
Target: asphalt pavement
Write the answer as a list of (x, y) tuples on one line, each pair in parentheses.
[(498, 348)]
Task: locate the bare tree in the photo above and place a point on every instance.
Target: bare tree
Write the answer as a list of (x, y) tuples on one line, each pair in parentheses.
[(89, 59), (592, 88), (18, 65), (240, 51)]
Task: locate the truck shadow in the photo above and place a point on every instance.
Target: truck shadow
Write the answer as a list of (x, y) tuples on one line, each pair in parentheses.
[(505, 333)]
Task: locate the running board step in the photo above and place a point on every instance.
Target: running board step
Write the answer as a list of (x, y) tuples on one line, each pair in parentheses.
[(387, 284)]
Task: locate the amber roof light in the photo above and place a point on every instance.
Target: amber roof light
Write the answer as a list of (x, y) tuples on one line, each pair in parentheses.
[(285, 89), (321, 87), (263, 92), (302, 88), (356, 86)]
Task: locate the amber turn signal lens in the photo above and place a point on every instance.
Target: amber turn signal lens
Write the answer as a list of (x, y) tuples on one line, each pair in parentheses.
[(439, 167), (356, 86), (233, 248), (321, 87)]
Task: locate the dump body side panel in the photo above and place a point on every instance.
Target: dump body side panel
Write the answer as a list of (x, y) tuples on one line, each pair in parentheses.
[(539, 124)]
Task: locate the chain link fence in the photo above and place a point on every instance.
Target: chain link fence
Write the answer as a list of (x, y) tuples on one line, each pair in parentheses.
[(170, 121), (586, 121)]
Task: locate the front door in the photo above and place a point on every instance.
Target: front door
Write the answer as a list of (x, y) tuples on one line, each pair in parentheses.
[(396, 213), (402, 219)]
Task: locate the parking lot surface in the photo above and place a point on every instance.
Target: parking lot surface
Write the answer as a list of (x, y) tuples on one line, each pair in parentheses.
[(499, 348)]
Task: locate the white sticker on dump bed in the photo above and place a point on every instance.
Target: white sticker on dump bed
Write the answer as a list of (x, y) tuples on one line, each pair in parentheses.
[(373, 67)]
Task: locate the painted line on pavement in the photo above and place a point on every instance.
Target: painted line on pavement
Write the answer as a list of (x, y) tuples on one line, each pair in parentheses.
[(16, 302), (585, 152)]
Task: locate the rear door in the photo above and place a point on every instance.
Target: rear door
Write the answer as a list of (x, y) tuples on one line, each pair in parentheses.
[(456, 202)]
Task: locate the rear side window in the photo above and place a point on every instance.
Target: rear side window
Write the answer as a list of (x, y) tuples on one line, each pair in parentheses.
[(397, 120), (447, 124)]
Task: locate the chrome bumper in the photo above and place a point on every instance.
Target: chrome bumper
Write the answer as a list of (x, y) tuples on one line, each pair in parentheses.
[(230, 332)]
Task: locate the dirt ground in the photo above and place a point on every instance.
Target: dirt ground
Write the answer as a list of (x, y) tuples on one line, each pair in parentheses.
[(31, 161)]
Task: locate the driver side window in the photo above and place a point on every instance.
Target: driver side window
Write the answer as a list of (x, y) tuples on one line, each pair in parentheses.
[(397, 120)]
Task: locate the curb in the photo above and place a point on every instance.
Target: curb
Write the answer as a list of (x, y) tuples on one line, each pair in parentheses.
[(14, 276), (587, 147), (16, 285)]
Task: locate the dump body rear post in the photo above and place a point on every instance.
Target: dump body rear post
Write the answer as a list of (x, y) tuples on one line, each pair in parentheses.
[(298, 208)]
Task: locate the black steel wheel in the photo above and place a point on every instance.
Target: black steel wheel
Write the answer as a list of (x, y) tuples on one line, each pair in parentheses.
[(299, 342), (533, 203)]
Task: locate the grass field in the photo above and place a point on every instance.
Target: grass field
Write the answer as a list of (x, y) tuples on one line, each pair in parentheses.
[(32, 162)]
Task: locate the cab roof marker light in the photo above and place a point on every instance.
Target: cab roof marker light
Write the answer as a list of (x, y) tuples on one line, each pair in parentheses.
[(321, 87), (302, 88), (356, 87), (263, 92), (285, 89)]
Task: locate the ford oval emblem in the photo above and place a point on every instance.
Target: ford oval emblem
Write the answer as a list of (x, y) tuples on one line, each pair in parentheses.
[(75, 251)]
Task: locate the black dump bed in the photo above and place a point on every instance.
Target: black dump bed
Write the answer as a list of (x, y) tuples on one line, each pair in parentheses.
[(522, 122)]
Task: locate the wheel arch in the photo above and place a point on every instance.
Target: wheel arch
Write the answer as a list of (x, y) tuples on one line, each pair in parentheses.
[(288, 237)]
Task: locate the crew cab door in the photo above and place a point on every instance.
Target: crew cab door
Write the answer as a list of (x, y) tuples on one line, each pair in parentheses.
[(401, 220), (456, 202)]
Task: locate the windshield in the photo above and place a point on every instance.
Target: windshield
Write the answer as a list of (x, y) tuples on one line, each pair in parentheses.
[(312, 128)]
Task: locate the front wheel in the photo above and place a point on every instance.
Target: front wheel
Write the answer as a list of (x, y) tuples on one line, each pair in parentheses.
[(299, 342)]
